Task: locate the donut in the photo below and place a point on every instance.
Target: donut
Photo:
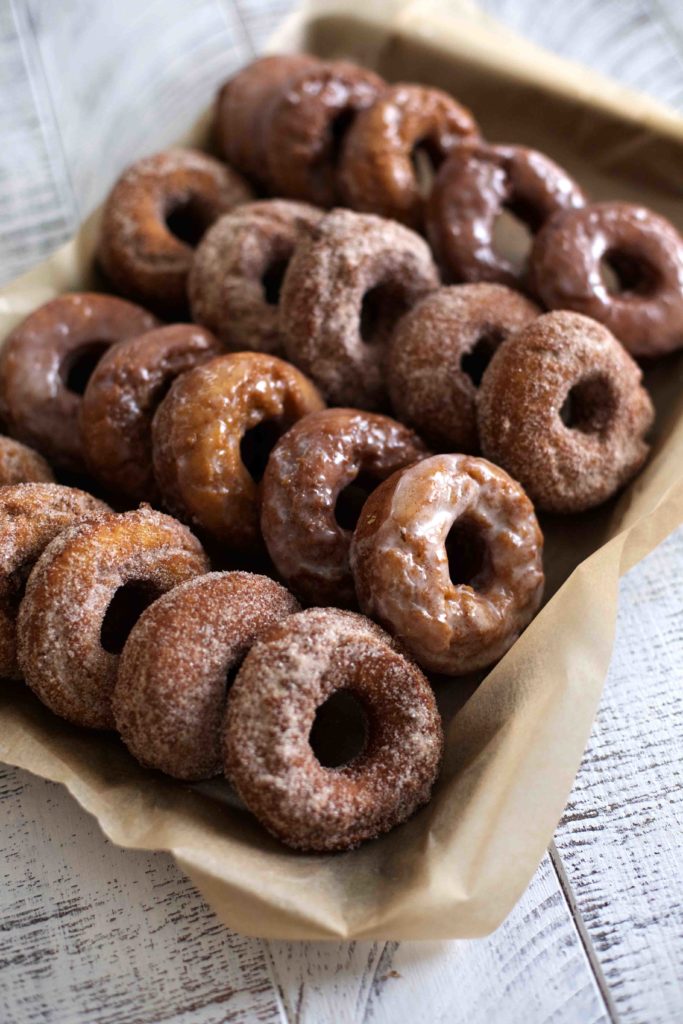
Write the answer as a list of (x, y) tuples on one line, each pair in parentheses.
[(305, 124), (82, 597), (645, 255), (346, 286), (474, 186), (31, 516), (45, 361), (437, 355), (286, 677), (447, 555), (561, 407), (234, 284), (212, 434), (240, 103), (377, 173), (316, 479), (121, 398), (169, 698), (20, 464), (154, 217)]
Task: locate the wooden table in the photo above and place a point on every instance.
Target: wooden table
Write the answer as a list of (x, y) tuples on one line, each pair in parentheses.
[(91, 934)]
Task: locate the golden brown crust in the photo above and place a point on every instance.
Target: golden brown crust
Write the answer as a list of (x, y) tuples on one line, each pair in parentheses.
[(20, 464)]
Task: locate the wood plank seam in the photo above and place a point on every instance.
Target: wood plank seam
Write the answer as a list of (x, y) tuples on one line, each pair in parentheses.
[(246, 31), (275, 981)]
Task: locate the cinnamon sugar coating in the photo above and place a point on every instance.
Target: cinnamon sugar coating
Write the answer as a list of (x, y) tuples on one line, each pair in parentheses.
[(345, 289), (199, 434), (284, 679), (565, 363), (307, 471), (145, 253), (234, 282), (68, 646), (121, 398), (400, 561), (169, 699), (431, 385), (31, 516), (20, 464), (37, 403)]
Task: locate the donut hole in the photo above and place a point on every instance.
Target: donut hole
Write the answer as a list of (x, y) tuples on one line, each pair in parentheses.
[(381, 308), (125, 608), (426, 158), (468, 555), (257, 444), (78, 366), (187, 220), (475, 361), (340, 729), (337, 129), (589, 406), (623, 273), (351, 499), (272, 278), (512, 234)]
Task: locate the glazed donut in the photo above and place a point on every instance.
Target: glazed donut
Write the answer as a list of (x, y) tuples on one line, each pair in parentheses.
[(644, 252), (31, 516), (336, 454), (284, 679), (202, 431), (447, 555), (121, 398), (44, 359), (305, 124), (473, 187), (240, 104), (169, 699), (20, 464), (345, 288), (562, 408), (437, 355), (72, 623), (154, 217), (376, 171), (234, 284)]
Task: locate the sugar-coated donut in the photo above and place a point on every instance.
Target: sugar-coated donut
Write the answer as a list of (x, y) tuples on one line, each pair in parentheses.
[(565, 365), (473, 187), (377, 173), (346, 286), (154, 217), (447, 555), (72, 622), (234, 284), (437, 355), (169, 699), (645, 254), (42, 364), (304, 528), (121, 398), (202, 433), (31, 516), (284, 679), (20, 464)]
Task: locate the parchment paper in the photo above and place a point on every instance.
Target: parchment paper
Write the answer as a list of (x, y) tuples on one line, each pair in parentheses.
[(457, 868)]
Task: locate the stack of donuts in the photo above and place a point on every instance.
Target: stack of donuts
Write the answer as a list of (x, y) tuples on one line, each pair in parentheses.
[(310, 435)]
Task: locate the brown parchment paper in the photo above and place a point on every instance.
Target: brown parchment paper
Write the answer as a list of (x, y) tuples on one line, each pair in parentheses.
[(457, 868)]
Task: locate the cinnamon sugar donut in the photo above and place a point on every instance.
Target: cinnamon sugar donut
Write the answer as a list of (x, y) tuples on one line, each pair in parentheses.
[(213, 419), (121, 398), (44, 360), (31, 516), (85, 591), (376, 172), (473, 187), (154, 217), (447, 556), (438, 353), (345, 289), (316, 479), (284, 679), (234, 284), (169, 699), (20, 464), (240, 105), (304, 128), (644, 252), (562, 408)]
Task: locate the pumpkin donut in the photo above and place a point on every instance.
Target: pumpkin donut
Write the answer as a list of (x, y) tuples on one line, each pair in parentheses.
[(20, 464)]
